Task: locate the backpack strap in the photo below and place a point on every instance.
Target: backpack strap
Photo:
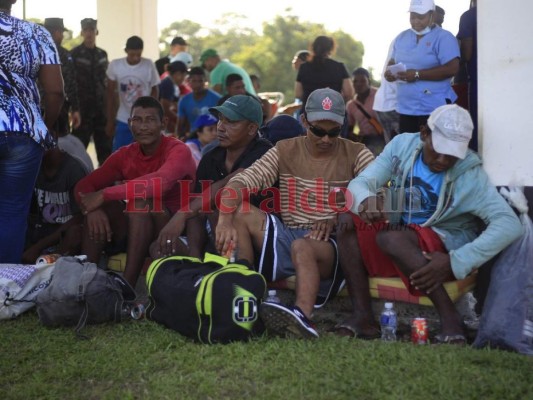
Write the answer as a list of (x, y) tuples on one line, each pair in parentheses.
[(216, 259)]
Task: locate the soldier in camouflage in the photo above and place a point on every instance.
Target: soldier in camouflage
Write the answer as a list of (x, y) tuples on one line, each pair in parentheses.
[(56, 28), (91, 64)]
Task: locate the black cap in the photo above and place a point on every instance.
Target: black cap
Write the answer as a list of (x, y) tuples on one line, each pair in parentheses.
[(134, 43), (178, 41), (88, 23), (54, 23)]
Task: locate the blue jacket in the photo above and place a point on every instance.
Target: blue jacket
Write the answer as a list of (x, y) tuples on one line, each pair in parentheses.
[(472, 219)]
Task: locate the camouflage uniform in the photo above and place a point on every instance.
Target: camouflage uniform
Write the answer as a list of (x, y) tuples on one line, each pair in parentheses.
[(91, 65), (71, 91)]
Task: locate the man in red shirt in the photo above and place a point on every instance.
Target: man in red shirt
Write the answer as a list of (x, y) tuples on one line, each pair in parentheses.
[(135, 192)]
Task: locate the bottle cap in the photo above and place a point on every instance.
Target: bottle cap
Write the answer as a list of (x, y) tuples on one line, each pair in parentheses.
[(388, 305)]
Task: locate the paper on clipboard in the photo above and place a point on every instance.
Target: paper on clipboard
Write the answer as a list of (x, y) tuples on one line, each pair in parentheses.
[(394, 69)]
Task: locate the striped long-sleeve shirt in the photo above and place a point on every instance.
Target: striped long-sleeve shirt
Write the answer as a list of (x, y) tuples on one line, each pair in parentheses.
[(306, 184)]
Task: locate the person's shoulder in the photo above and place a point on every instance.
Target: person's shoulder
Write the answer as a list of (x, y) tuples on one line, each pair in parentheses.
[(101, 51), (171, 142), (262, 144), (74, 165), (291, 145), (213, 94)]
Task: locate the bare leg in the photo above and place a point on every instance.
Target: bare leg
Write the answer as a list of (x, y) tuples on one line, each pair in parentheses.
[(118, 221), (142, 230), (250, 232), (356, 277), (402, 247), (313, 261)]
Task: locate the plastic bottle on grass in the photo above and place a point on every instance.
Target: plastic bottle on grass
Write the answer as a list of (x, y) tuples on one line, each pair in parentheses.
[(272, 297), (389, 323)]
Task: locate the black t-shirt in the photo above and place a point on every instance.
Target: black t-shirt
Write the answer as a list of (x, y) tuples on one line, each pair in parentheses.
[(53, 199), (212, 166), (324, 74)]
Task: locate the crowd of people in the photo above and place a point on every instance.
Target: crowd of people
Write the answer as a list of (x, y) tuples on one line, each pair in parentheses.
[(351, 182)]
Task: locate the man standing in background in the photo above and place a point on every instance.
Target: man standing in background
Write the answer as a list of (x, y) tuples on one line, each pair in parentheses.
[(91, 64), (56, 28), (177, 45), (220, 69), (129, 78)]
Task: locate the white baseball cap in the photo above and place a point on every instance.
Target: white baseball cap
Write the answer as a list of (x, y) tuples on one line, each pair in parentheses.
[(184, 57), (451, 130), (421, 6)]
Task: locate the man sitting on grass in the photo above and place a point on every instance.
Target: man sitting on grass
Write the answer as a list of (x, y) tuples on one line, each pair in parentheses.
[(136, 191), (440, 221), (239, 147), (309, 169)]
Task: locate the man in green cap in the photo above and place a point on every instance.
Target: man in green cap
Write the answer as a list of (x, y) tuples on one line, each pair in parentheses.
[(239, 147), (220, 69)]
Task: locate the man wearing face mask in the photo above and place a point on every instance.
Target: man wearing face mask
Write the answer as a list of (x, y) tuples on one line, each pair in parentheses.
[(429, 57)]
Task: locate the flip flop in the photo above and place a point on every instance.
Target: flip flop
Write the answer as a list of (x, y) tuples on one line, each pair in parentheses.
[(353, 332), (458, 339)]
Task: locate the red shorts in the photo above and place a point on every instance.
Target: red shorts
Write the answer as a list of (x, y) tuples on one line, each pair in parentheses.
[(377, 263)]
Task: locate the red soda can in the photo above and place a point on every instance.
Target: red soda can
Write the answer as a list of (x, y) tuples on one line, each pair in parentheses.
[(419, 331), (231, 253), (47, 259)]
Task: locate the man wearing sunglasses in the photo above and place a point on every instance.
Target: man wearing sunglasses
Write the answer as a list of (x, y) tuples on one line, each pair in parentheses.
[(292, 235)]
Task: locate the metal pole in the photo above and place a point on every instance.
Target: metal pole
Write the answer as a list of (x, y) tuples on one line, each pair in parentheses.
[(24, 9)]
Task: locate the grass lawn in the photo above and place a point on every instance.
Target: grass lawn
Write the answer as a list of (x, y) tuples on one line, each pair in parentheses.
[(142, 360)]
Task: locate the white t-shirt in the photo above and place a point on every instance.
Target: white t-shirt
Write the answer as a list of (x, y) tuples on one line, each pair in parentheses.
[(133, 81)]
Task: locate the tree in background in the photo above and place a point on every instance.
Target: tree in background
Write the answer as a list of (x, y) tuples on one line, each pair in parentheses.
[(269, 54)]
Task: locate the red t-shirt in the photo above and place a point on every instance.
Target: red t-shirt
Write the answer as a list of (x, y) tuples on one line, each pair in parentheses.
[(138, 175)]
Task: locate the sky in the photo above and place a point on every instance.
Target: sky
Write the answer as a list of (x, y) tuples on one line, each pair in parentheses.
[(373, 22)]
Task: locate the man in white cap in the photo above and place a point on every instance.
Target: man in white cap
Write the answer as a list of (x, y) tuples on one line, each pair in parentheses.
[(441, 219), (311, 171)]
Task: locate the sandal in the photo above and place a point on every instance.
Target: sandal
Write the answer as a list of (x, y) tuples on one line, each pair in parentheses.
[(458, 339), (346, 330)]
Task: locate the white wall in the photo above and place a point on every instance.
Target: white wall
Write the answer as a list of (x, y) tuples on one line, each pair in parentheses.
[(120, 19), (505, 57)]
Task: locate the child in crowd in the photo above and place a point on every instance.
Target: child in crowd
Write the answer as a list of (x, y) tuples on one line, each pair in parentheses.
[(204, 132)]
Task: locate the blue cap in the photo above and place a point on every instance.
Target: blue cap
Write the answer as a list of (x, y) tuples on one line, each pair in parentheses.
[(204, 120)]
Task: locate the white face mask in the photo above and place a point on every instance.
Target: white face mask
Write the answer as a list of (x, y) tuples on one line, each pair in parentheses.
[(424, 31)]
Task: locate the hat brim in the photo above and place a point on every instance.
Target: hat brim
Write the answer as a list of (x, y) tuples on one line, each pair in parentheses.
[(231, 114), (421, 10), (324, 116), (444, 145)]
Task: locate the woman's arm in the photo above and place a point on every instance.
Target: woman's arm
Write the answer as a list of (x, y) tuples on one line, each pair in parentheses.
[(51, 81)]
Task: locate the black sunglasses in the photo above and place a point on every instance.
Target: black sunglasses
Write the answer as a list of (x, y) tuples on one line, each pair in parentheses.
[(322, 132)]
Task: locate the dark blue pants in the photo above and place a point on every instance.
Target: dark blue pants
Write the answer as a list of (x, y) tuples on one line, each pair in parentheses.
[(20, 160)]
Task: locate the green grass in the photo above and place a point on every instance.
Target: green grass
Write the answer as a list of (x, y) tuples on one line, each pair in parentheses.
[(142, 360)]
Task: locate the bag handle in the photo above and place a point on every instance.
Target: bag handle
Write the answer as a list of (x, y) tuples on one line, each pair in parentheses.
[(209, 257)]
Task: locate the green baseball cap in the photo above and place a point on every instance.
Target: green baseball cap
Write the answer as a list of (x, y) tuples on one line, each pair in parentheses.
[(206, 54), (240, 108)]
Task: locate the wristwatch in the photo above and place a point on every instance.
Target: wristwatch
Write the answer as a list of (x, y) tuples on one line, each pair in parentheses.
[(417, 75)]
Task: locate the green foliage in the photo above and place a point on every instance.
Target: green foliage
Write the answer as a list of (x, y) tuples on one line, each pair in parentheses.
[(269, 54), (142, 360)]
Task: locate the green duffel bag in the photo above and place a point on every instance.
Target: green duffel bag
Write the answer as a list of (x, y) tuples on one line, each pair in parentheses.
[(210, 301)]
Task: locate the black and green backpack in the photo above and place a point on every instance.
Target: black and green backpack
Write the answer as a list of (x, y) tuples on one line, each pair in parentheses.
[(210, 301)]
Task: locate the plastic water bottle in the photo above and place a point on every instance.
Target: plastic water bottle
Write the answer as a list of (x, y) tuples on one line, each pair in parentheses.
[(272, 297), (389, 323)]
